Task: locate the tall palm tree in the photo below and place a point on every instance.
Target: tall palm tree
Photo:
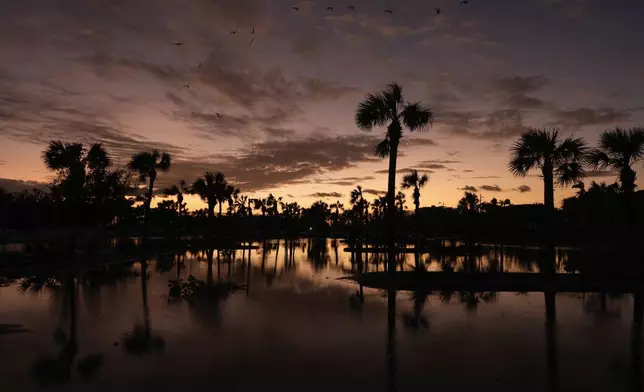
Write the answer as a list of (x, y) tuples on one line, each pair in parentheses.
[(148, 165), (416, 181), (207, 189), (178, 191), (560, 160), (389, 108), (618, 150)]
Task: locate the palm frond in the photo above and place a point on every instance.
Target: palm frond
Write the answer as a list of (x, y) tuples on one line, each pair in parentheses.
[(423, 180), (598, 159), (382, 149), (165, 162), (97, 157), (373, 111), (409, 180), (569, 173), (417, 118)]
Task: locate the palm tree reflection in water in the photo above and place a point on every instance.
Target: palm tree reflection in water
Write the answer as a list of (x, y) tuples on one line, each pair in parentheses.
[(141, 341)]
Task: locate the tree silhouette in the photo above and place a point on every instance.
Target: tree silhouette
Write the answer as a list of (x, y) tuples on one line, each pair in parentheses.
[(389, 108), (618, 150), (416, 181), (148, 165), (469, 203), (359, 203), (206, 188), (400, 202), (178, 191), (543, 149)]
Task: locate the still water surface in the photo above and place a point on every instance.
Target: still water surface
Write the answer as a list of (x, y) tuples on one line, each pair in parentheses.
[(295, 326)]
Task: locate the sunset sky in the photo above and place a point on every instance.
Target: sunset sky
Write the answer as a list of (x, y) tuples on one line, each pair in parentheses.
[(277, 115)]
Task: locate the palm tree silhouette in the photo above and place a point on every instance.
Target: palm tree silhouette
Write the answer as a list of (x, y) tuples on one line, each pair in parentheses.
[(359, 203), (416, 181), (543, 149), (468, 203), (618, 150), (389, 108), (261, 204), (207, 189), (400, 202), (178, 191), (141, 341), (148, 165)]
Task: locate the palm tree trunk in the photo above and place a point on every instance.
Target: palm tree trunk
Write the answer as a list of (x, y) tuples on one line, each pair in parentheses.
[(552, 355), (148, 197), (636, 342), (391, 207), (548, 187), (220, 203), (391, 341)]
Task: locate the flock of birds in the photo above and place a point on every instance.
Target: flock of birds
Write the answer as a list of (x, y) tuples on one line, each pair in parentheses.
[(296, 9)]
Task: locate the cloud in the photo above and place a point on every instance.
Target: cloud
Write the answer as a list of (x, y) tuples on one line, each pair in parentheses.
[(11, 185), (497, 124), (324, 195), (520, 85), (469, 188), (418, 142), (491, 188), (486, 177), (590, 116), (600, 173), (468, 171), (404, 171), (440, 161), (273, 163), (345, 181), (523, 188), (374, 192)]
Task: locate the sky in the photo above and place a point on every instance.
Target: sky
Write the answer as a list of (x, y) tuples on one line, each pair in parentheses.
[(277, 114)]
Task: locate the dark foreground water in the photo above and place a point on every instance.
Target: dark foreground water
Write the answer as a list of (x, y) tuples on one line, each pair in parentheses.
[(296, 327)]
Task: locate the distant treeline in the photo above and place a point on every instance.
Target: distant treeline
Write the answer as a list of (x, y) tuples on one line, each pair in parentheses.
[(90, 194)]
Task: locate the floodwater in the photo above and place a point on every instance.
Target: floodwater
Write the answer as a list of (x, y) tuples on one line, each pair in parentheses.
[(288, 323)]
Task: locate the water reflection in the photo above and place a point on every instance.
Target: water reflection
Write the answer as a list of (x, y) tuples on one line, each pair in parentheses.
[(281, 306)]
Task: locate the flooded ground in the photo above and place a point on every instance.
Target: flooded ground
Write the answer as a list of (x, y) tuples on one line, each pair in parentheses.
[(288, 323)]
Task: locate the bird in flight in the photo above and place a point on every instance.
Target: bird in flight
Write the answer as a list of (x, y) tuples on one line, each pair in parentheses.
[(199, 66), (178, 43), (329, 8), (296, 8), (186, 85), (253, 31), (218, 115), (465, 2), (234, 32), (251, 41), (438, 10), (389, 11), (352, 8)]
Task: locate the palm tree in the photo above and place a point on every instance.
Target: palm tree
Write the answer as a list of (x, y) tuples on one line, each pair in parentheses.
[(414, 180), (260, 204), (178, 191), (543, 149), (468, 203), (619, 150), (206, 188), (147, 165), (389, 108), (359, 203), (337, 206), (400, 202)]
